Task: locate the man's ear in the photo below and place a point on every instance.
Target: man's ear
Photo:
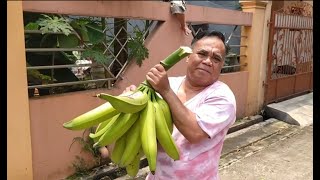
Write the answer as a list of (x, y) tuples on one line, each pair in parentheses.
[(187, 59), (222, 64)]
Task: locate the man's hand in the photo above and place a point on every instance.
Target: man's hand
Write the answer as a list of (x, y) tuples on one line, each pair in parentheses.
[(158, 78), (130, 88)]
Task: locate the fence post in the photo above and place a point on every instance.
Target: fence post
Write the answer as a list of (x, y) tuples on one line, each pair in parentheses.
[(256, 52), (19, 135)]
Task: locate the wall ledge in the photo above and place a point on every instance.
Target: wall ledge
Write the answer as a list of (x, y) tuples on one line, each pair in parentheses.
[(253, 4)]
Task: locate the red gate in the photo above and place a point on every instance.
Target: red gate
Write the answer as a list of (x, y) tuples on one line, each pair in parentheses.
[(290, 54)]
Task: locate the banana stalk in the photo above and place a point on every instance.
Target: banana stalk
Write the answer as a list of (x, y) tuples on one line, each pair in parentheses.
[(175, 57)]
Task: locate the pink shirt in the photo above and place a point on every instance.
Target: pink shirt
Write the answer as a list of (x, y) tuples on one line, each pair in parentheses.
[(215, 109)]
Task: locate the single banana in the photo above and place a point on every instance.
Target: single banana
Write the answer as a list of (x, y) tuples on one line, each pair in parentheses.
[(99, 127), (103, 128), (118, 149), (133, 144), (166, 112), (116, 128), (148, 135), (92, 117), (133, 168), (163, 134), (129, 102)]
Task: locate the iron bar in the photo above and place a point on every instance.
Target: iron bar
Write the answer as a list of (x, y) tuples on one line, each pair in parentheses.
[(53, 49), (60, 66), (69, 83)]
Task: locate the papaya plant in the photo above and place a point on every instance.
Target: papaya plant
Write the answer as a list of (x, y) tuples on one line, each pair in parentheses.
[(88, 33)]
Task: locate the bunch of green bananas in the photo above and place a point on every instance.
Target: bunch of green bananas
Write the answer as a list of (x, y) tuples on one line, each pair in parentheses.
[(134, 121)]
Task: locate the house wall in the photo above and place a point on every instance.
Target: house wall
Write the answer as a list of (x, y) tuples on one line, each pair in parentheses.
[(52, 155), (49, 113)]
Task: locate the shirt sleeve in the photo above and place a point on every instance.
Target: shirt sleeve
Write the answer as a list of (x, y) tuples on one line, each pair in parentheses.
[(216, 114)]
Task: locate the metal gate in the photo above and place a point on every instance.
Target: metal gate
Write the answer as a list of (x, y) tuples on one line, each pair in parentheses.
[(290, 54)]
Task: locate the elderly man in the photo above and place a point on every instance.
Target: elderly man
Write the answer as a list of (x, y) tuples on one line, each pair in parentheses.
[(202, 107)]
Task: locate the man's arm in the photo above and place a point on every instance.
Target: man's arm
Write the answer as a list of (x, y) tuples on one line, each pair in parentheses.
[(178, 9), (184, 120)]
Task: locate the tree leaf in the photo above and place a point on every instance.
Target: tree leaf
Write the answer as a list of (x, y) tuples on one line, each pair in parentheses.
[(31, 26), (70, 41), (95, 33)]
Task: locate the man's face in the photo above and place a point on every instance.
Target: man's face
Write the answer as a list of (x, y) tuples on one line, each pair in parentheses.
[(205, 63)]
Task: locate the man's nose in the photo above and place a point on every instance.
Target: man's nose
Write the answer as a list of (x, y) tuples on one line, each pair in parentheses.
[(207, 61)]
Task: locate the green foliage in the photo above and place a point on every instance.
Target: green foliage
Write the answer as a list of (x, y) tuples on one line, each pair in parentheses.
[(89, 30), (70, 41), (87, 143), (137, 49), (32, 26), (78, 32), (79, 164), (95, 55), (95, 33), (54, 24), (81, 169), (35, 74)]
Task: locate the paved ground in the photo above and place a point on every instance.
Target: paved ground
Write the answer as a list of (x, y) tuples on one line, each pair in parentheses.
[(289, 157), (298, 110), (280, 148)]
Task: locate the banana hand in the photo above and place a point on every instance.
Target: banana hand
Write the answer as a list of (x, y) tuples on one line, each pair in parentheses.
[(116, 128), (118, 149), (133, 144), (92, 117), (148, 135), (129, 102), (163, 134)]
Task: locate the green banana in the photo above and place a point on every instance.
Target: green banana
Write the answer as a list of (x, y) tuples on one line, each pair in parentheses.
[(116, 128), (162, 132), (129, 102), (103, 128), (166, 112), (133, 144), (133, 168), (92, 117), (118, 149), (99, 127), (148, 135)]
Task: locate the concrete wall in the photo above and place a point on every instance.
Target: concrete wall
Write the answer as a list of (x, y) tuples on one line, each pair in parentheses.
[(47, 114), (256, 52), (19, 157)]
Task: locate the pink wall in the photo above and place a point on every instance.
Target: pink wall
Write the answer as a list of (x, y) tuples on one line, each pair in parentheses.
[(50, 141)]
